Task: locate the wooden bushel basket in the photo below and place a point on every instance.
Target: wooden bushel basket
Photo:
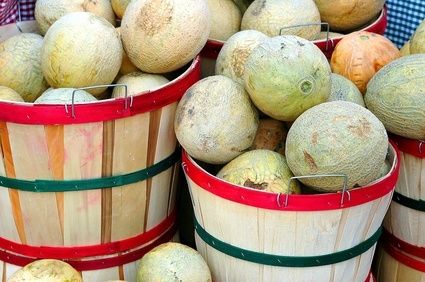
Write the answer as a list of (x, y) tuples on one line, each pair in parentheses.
[(93, 184), (250, 235), (212, 48), (406, 216)]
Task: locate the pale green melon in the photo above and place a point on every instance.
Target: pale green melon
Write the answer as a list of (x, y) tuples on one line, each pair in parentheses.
[(138, 82), (46, 270), (405, 49), (225, 19), (8, 94), (215, 120), (417, 42), (385, 169), (20, 65), (344, 89), (81, 49), (232, 56), (396, 95), (286, 75), (276, 17), (337, 137), (64, 96), (260, 169), (173, 262)]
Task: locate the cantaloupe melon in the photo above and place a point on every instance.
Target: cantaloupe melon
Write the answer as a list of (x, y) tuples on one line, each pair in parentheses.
[(173, 262), (271, 135), (417, 42), (161, 36), (20, 65), (275, 17), (138, 82), (81, 49), (405, 49), (119, 7), (396, 95), (8, 94), (215, 120), (286, 75), (64, 96), (337, 137), (225, 19), (126, 65), (344, 89), (232, 56), (48, 11), (46, 270), (260, 169), (347, 15)]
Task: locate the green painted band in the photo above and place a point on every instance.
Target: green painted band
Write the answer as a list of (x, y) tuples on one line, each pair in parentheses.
[(90, 184), (418, 205), (287, 261)]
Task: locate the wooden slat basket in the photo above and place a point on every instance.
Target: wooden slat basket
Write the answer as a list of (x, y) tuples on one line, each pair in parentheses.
[(250, 235), (94, 181)]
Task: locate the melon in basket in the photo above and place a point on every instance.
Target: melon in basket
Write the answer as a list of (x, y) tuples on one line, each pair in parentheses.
[(46, 270), (173, 262), (225, 19), (275, 17), (405, 49), (119, 7), (344, 89), (64, 96), (126, 65), (81, 49), (286, 75), (215, 120), (48, 11), (417, 42), (162, 36), (271, 135), (138, 82), (337, 137), (20, 65), (8, 94)]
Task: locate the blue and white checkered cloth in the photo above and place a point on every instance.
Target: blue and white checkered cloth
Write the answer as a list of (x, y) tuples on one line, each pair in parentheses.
[(403, 18)]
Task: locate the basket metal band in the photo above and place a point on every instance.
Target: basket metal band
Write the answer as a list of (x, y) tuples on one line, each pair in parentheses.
[(90, 184), (418, 205), (287, 261)]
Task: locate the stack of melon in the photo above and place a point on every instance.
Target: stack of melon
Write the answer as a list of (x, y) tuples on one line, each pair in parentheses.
[(82, 48)]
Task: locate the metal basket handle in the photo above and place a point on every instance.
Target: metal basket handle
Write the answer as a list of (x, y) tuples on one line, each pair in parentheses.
[(344, 189), (126, 106), (311, 24)]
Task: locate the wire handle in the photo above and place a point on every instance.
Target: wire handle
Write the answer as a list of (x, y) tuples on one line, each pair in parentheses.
[(311, 24), (344, 189)]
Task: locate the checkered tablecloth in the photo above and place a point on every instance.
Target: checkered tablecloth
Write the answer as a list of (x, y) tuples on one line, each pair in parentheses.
[(9, 10), (403, 18)]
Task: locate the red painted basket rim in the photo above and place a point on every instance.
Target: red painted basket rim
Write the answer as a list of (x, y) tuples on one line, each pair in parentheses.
[(103, 110), (410, 146), (273, 201), (404, 258)]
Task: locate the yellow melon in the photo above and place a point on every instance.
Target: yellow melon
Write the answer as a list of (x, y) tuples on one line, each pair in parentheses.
[(126, 65), (20, 65), (138, 82), (161, 35), (232, 56), (46, 270), (119, 7), (9, 94), (417, 42), (275, 17), (225, 19), (64, 96), (405, 49), (81, 49), (49, 11), (173, 262), (346, 15)]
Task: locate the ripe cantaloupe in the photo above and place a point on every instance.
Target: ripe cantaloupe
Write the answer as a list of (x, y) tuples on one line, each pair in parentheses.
[(48, 11), (225, 19), (286, 75), (8, 94), (260, 169), (138, 82), (275, 17), (215, 120), (173, 262), (119, 7), (64, 96), (162, 36), (46, 270), (20, 65), (336, 137), (344, 89), (126, 65), (232, 56), (417, 42), (81, 49), (396, 95), (271, 135), (347, 15)]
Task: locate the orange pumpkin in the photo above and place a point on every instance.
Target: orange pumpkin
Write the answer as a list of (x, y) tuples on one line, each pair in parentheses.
[(359, 55)]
